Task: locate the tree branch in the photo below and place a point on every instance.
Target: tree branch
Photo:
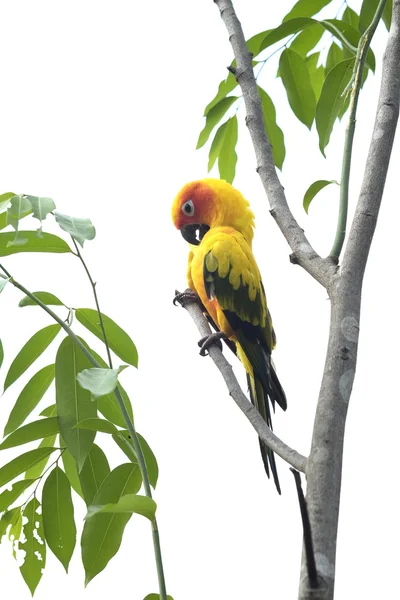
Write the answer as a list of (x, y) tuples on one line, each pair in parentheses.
[(324, 466), (355, 87), (321, 269), (365, 218), (289, 455)]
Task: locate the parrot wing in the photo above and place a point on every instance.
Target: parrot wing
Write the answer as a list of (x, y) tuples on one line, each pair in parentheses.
[(232, 277)]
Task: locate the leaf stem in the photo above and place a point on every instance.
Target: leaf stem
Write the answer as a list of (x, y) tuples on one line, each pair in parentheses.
[(93, 284), (41, 477), (129, 424), (354, 86)]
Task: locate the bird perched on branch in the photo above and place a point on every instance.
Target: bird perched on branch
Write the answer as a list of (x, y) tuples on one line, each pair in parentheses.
[(216, 220)]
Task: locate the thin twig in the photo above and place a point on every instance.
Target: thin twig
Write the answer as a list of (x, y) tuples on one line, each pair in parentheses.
[(298, 461), (93, 284), (305, 255), (355, 87), (365, 218), (41, 477)]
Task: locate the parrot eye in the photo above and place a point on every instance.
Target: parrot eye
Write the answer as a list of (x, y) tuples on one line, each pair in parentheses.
[(188, 208)]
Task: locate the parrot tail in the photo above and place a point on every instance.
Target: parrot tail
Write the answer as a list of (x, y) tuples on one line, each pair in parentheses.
[(260, 400)]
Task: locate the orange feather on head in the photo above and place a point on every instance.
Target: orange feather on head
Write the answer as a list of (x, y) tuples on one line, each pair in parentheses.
[(202, 197), (216, 203)]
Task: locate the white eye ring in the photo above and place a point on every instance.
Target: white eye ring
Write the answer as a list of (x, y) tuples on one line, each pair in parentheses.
[(188, 208)]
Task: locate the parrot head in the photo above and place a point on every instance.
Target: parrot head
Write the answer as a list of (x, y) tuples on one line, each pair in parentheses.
[(207, 203)]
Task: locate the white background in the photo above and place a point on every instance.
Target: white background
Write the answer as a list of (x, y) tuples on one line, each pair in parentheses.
[(101, 106)]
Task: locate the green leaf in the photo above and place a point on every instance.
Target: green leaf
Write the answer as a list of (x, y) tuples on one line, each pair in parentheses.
[(387, 14), (9, 496), (4, 204), (21, 463), (316, 73), (227, 157), (94, 472), (30, 352), (213, 117), (274, 132), (6, 520), (5, 200), (118, 340), (368, 10), (19, 207), (74, 404), (102, 534), (1, 353), (34, 546), (18, 240), (30, 432), (49, 411), (307, 39), (96, 424), (37, 469), (41, 206), (157, 597), (224, 88), (306, 8), (331, 100), (349, 37), (335, 56), (216, 145), (58, 516), (285, 29), (313, 190), (254, 44), (15, 530), (45, 297), (124, 441), (47, 243), (296, 79), (131, 503), (71, 471), (150, 459), (99, 381), (108, 405), (351, 17), (80, 229), (29, 398)]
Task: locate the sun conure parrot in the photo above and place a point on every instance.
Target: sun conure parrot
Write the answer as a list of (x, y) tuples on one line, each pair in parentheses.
[(217, 222)]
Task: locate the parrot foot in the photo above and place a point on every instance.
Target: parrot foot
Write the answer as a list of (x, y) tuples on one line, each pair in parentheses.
[(211, 340), (186, 296)]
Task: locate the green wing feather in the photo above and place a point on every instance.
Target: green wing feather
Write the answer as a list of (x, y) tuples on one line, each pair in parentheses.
[(232, 277)]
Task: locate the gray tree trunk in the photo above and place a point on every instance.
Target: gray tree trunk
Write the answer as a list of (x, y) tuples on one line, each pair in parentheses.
[(343, 283)]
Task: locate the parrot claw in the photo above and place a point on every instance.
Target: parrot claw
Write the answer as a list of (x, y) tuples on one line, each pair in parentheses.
[(211, 340), (186, 296)]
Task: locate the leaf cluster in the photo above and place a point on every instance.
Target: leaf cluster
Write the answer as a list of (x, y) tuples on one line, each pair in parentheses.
[(315, 65), (37, 511)]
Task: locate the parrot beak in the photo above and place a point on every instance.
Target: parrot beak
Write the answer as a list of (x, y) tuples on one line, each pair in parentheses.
[(194, 233)]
